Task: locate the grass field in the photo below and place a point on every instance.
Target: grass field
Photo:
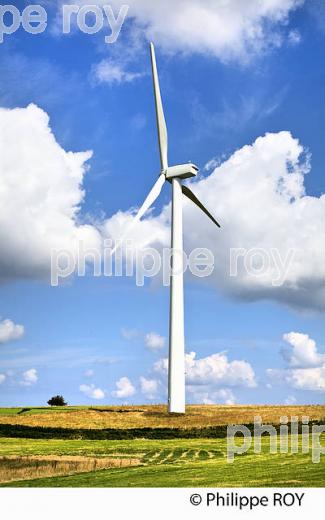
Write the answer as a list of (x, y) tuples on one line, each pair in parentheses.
[(156, 462)]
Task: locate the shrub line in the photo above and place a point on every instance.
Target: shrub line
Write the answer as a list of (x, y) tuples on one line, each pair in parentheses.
[(39, 432)]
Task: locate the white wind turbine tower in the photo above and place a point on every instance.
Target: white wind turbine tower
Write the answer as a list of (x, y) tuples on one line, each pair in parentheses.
[(174, 175)]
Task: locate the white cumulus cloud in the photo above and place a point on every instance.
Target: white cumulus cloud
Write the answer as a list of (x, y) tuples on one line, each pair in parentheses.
[(228, 30), (92, 392), (10, 331), (258, 195), (208, 395), (2, 378), (307, 378), (154, 341), (213, 370), (303, 352), (124, 388), (272, 241), (149, 387), (29, 377), (40, 195), (300, 378)]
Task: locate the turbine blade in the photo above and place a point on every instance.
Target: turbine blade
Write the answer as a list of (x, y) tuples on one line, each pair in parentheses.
[(161, 122), (190, 195), (153, 195)]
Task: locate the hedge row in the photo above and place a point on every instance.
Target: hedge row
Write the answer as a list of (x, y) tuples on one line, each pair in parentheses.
[(31, 432)]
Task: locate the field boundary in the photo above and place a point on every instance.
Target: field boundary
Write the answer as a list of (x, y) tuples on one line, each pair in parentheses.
[(42, 432)]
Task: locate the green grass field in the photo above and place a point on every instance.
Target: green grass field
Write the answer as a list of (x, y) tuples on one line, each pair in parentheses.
[(9, 411), (193, 462), (179, 463), (39, 410)]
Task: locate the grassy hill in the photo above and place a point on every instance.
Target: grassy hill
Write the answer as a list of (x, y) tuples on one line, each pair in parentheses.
[(155, 416)]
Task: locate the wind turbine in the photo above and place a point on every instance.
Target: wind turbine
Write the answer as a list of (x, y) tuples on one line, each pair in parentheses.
[(174, 175)]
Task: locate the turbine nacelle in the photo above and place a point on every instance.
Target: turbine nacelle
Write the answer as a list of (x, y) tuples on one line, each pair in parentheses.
[(181, 171)]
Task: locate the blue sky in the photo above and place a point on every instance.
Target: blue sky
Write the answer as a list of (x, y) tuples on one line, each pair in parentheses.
[(83, 337)]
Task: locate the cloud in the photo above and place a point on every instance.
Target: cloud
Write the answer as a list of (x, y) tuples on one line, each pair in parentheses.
[(303, 352), (89, 373), (9, 331), (113, 72), (154, 341), (40, 195), (149, 387), (30, 377), (300, 378), (228, 30), (2, 378), (149, 232), (209, 396), (311, 372), (307, 378), (294, 37), (248, 108), (92, 392), (130, 333), (231, 31), (60, 356), (211, 380), (214, 370), (253, 194), (124, 388)]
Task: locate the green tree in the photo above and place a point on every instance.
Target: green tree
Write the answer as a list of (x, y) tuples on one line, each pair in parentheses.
[(57, 400)]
